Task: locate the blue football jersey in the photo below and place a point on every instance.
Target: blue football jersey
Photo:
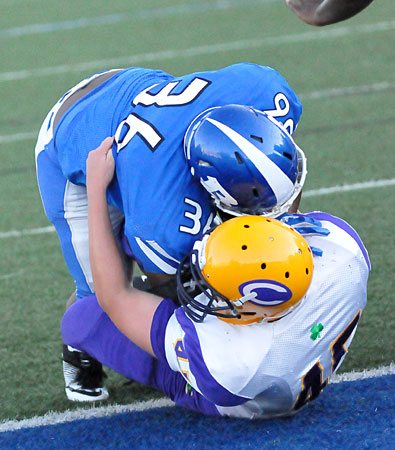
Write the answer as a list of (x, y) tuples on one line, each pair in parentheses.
[(149, 111)]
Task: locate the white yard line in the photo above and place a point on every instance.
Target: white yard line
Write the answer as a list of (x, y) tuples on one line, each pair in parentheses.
[(315, 95), (8, 138), (52, 418), (310, 193), (11, 275), (348, 90), (27, 232), (149, 57), (129, 16), (349, 187)]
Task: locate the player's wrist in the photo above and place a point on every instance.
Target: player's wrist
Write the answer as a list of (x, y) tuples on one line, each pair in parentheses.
[(97, 194)]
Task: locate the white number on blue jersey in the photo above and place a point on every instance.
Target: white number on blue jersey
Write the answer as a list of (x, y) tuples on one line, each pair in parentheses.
[(282, 108), (165, 98), (135, 125), (194, 216)]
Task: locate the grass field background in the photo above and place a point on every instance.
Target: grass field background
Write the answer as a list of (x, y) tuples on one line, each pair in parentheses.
[(344, 75)]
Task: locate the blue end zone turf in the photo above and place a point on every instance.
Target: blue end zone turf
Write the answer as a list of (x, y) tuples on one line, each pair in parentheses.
[(349, 415)]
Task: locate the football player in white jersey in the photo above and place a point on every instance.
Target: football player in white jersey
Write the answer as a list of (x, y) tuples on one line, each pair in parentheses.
[(263, 323), (326, 12)]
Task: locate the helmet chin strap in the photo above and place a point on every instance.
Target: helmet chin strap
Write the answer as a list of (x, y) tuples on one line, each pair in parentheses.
[(246, 298)]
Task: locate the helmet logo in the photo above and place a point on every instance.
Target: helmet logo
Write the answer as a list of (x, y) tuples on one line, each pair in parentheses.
[(268, 292), (213, 186)]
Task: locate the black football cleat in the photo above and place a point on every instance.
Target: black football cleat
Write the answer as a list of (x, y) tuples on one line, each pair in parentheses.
[(83, 376)]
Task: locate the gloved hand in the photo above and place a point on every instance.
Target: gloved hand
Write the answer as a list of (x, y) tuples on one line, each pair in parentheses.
[(306, 226)]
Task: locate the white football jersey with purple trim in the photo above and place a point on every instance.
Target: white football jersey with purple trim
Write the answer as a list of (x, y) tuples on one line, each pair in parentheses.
[(273, 369)]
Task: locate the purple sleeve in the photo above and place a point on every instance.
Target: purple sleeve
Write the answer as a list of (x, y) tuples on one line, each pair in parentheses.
[(208, 385), (158, 328)]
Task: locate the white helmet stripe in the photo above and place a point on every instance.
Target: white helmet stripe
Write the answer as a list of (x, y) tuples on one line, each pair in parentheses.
[(280, 184)]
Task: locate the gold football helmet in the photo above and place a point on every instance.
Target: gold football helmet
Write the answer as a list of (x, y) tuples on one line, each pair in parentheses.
[(248, 269)]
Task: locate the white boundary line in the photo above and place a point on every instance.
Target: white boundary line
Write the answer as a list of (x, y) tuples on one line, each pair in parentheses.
[(148, 57), (369, 373), (306, 194), (53, 418)]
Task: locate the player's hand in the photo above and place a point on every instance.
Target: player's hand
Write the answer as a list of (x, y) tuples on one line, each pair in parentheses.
[(306, 226), (100, 165)]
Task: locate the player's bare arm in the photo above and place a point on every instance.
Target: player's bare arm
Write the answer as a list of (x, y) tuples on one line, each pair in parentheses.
[(326, 12), (129, 309)]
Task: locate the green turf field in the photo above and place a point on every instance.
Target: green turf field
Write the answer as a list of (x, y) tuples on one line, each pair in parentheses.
[(344, 75)]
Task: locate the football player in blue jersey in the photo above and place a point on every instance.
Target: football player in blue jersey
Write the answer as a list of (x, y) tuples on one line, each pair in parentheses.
[(183, 147), (326, 12), (268, 310)]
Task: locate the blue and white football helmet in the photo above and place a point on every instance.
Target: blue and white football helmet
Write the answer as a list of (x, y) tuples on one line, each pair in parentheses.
[(246, 160)]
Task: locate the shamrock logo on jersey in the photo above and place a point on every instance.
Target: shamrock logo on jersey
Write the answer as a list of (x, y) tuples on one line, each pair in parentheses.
[(315, 331)]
